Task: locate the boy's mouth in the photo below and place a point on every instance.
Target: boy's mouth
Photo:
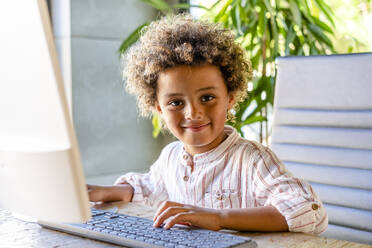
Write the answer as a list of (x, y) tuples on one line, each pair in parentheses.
[(196, 128)]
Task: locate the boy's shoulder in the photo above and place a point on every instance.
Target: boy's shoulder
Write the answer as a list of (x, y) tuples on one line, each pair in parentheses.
[(250, 146), (243, 142), (172, 147), (252, 152)]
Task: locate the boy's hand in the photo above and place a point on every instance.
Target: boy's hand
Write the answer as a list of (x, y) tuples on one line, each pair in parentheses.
[(96, 193), (110, 193), (187, 215)]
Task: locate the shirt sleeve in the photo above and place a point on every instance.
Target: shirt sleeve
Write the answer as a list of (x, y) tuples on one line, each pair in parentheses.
[(148, 187), (294, 198)]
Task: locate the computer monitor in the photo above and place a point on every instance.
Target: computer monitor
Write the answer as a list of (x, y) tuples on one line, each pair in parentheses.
[(40, 170)]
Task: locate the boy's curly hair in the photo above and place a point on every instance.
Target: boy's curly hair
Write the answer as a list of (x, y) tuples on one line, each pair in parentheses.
[(181, 40)]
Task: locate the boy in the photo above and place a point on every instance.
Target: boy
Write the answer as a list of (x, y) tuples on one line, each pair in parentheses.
[(192, 74)]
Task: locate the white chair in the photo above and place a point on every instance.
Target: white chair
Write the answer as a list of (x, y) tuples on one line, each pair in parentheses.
[(322, 131)]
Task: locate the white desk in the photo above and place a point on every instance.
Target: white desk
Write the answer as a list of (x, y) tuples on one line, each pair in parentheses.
[(16, 233)]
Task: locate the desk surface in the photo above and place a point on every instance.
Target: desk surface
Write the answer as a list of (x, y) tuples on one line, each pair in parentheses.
[(17, 233)]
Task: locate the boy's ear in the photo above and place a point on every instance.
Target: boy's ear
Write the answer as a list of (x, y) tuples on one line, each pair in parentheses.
[(231, 100), (158, 108)]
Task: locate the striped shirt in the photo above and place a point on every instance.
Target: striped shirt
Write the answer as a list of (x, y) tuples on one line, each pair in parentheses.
[(236, 174)]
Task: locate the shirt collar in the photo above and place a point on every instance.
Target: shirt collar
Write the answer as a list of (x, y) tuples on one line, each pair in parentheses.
[(216, 152)]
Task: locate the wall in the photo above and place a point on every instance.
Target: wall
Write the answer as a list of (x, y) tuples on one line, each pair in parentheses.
[(112, 138)]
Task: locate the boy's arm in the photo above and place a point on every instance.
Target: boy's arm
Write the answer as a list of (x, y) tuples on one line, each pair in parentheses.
[(293, 198), (149, 188), (265, 218), (123, 192)]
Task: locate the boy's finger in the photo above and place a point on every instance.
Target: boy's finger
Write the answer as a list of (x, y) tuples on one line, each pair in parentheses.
[(159, 210), (164, 206), (178, 219), (90, 186), (172, 211)]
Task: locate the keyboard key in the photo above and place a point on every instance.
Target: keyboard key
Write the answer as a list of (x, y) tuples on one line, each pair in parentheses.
[(181, 246), (141, 238), (169, 245)]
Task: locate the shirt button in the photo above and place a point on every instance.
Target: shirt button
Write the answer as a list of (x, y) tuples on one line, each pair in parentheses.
[(185, 178), (314, 206), (184, 157), (219, 197)]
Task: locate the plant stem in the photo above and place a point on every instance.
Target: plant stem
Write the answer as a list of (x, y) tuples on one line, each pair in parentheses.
[(261, 127), (263, 77), (266, 127)]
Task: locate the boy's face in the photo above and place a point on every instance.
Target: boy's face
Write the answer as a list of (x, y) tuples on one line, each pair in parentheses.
[(193, 101)]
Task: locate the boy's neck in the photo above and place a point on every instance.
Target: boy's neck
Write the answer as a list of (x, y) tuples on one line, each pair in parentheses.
[(193, 150)]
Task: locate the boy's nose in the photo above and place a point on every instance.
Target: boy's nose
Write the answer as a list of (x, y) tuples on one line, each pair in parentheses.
[(193, 112)]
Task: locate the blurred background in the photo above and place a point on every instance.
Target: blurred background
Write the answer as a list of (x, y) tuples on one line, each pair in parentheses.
[(91, 34)]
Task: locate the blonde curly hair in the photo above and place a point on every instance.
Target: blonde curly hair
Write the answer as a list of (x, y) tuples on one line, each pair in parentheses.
[(181, 40)]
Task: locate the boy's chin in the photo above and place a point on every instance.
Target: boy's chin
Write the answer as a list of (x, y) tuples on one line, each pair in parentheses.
[(197, 144)]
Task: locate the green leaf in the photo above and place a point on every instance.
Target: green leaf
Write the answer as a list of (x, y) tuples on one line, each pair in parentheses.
[(253, 119), (270, 90), (188, 6), (256, 57), (156, 125), (225, 20), (158, 4), (274, 30), (313, 49), (305, 6), (281, 21), (318, 33), (261, 23), (222, 11), (214, 6), (252, 97), (295, 12), (269, 8), (326, 10), (260, 105), (132, 38), (300, 51), (251, 26), (242, 14), (235, 16), (291, 35), (305, 11), (323, 25)]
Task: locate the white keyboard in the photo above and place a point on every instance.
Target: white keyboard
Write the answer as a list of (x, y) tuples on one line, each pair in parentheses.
[(134, 231)]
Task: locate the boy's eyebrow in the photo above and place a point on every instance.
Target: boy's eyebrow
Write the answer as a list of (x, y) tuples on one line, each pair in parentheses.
[(206, 88), (198, 90), (173, 94)]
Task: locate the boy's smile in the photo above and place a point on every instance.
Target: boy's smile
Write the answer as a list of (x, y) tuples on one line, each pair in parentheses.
[(193, 101)]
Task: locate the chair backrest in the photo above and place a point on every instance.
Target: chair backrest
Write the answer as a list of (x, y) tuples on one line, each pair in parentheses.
[(322, 131)]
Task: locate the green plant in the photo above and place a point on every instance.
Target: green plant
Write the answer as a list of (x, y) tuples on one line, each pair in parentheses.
[(266, 29), (353, 22)]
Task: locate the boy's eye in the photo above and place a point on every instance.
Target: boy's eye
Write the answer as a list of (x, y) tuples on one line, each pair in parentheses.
[(207, 98), (175, 103)]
